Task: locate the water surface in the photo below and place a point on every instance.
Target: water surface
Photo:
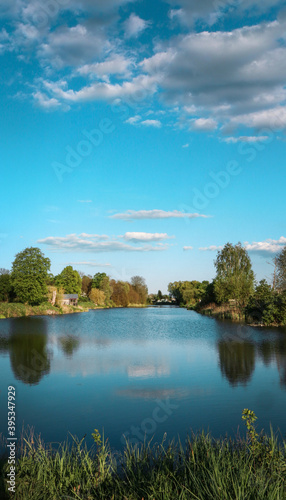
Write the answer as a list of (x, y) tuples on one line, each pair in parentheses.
[(140, 371)]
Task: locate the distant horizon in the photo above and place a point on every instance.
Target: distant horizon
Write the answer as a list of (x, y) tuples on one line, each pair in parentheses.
[(138, 138)]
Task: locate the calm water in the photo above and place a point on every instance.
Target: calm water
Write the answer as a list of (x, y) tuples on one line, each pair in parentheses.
[(132, 371)]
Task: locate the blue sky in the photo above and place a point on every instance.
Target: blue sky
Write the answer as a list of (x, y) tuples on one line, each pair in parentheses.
[(139, 137)]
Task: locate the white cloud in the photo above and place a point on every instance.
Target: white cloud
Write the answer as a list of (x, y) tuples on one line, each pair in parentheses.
[(92, 244), (46, 102), (152, 123), (84, 201), (188, 248), (72, 46), (212, 248), (185, 146), (106, 91), (246, 138), (116, 64), (274, 119), (266, 247), (155, 214), (147, 237), (204, 124), (134, 25), (211, 11), (133, 119)]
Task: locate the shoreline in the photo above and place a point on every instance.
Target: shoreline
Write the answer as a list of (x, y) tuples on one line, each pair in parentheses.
[(18, 310)]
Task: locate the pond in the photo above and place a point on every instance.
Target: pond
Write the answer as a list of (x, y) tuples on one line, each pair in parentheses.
[(140, 372)]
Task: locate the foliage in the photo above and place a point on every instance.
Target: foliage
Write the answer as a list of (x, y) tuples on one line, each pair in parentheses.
[(120, 293), (86, 285), (139, 286), (29, 275), (234, 278), (188, 292), (69, 280), (267, 306), (102, 282), (97, 296), (5, 287), (281, 269)]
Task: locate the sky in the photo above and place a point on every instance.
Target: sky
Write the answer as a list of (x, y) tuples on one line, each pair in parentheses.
[(138, 137)]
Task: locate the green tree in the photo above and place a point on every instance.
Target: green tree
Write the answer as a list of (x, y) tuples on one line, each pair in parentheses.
[(69, 280), (29, 276), (281, 270), (5, 287), (102, 282), (234, 278)]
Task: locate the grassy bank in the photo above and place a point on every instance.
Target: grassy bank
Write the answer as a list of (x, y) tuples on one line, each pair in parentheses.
[(17, 310), (253, 468), (221, 312)]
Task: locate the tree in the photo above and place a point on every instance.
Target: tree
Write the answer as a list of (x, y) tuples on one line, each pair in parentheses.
[(97, 296), (86, 285), (281, 270), (101, 282), (120, 291), (5, 287), (139, 285), (69, 280), (29, 275), (234, 278)]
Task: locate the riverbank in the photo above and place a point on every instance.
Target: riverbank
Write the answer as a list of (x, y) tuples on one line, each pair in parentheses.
[(18, 310), (204, 468)]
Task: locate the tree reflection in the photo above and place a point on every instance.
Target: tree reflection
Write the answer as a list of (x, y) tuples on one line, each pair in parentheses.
[(69, 345), (281, 360), (27, 344), (237, 361)]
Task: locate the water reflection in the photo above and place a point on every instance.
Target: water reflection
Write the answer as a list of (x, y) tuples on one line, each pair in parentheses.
[(237, 361), (27, 348), (69, 345)]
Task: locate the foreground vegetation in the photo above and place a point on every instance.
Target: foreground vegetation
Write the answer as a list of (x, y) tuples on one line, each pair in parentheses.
[(203, 469)]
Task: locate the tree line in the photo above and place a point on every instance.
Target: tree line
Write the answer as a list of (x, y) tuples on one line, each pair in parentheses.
[(235, 286), (31, 282)]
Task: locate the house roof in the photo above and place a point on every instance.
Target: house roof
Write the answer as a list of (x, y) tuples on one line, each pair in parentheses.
[(70, 296)]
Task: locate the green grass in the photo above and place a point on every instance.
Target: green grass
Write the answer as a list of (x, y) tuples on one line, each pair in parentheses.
[(253, 468), (16, 310)]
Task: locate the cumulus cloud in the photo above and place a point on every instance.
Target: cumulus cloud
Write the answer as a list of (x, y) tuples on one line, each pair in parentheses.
[(212, 248), (204, 124), (141, 237), (72, 46), (188, 248), (116, 64), (268, 246), (211, 11), (245, 138), (104, 90), (156, 214), (92, 243), (237, 76), (133, 119), (152, 123), (134, 25)]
